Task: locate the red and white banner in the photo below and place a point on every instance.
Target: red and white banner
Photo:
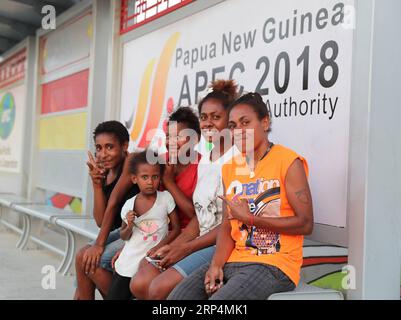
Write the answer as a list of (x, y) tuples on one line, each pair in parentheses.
[(13, 69)]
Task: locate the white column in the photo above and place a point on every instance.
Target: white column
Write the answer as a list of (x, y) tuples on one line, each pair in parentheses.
[(374, 211), (99, 83)]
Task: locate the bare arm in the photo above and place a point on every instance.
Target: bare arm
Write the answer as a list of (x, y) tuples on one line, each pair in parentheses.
[(99, 199), (92, 255), (186, 243), (185, 204), (123, 185), (300, 200), (225, 245), (190, 232), (190, 237), (175, 229), (99, 204), (204, 241), (125, 232)]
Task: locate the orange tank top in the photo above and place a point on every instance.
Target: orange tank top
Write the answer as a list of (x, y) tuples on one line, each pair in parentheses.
[(266, 195)]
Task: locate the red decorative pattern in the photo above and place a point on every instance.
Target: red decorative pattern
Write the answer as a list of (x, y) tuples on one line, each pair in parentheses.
[(13, 68), (312, 261), (135, 13), (61, 200), (70, 92)]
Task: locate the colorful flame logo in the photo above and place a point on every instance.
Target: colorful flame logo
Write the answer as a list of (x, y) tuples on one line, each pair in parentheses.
[(146, 121)]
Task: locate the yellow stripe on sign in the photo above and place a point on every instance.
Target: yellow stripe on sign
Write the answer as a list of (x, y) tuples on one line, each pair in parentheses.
[(63, 132), (142, 101)]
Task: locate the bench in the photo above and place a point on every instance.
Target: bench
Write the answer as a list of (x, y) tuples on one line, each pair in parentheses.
[(88, 228), (48, 214), (69, 222), (28, 209), (85, 226), (7, 200), (308, 292)]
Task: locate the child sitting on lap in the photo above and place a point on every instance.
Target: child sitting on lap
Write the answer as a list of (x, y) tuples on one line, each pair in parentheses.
[(145, 226)]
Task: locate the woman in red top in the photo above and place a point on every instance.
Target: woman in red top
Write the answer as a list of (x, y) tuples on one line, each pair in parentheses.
[(181, 171)]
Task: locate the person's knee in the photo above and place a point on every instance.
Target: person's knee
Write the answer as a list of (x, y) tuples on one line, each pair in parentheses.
[(79, 257), (139, 284), (191, 287), (159, 289), (139, 287)]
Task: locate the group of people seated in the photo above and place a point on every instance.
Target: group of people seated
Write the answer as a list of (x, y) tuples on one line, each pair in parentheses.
[(220, 220)]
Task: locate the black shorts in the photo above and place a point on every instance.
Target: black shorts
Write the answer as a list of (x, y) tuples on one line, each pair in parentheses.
[(119, 289)]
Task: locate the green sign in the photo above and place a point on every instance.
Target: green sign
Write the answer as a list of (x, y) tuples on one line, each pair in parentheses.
[(7, 115)]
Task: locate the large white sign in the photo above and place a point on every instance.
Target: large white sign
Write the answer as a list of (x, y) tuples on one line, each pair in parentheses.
[(68, 45), (297, 54), (12, 110)]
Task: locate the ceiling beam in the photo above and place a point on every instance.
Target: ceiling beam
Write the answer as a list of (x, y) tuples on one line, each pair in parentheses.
[(23, 29), (6, 44), (37, 5), (62, 4), (11, 37)]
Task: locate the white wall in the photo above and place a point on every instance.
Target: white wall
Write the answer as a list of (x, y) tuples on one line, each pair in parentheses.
[(375, 152)]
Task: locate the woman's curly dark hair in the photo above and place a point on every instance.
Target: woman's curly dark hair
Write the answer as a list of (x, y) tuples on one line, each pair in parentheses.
[(186, 116)]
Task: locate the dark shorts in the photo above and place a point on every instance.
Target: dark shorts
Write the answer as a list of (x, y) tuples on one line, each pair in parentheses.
[(242, 281), (119, 288)]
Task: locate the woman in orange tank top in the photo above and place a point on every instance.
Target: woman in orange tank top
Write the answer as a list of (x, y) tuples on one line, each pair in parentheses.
[(268, 210)]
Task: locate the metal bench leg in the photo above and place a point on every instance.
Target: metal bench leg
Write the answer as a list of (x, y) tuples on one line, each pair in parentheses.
[(26, 231), (21, 239), (66, 251), (71, 253), (1, 214)]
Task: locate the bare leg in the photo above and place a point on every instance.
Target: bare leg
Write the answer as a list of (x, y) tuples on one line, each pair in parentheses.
[(162, 285), (102, 280), (140, 282), (86, 288), (76, 294)]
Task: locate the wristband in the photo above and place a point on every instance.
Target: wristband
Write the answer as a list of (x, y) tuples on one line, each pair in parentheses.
[(251, 220)]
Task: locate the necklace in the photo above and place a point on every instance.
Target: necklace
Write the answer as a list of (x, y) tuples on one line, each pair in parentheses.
[(252, 172)]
